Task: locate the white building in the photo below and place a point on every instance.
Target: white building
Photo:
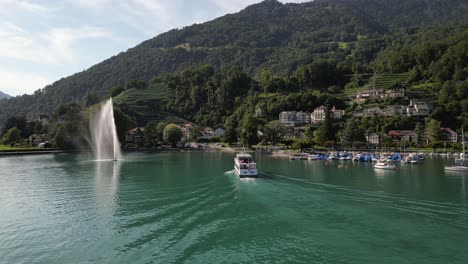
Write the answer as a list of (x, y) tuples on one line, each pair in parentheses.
[(302, 118), (293, 118), (219, 132), (318, 115), (418, 108), (288, 118), (373, 138), (394, 110)]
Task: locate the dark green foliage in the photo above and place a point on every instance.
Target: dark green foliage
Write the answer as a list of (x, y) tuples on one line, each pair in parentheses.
[(352, 133), (273, 132), (230, 130), (325, 134), (249, 130), (160, 130), (123, 123), (115, 91), (433, 131), (18, 122), (13, 135), (150, 132), (172, 134)]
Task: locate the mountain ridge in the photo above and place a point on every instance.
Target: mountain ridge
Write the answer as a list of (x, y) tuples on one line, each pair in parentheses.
[(267, 35), (5, 96)]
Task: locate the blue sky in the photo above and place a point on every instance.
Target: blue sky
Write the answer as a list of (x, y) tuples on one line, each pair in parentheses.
[(43, 41)]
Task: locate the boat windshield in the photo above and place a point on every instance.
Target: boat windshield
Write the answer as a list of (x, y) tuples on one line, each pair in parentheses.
[(245, 160)]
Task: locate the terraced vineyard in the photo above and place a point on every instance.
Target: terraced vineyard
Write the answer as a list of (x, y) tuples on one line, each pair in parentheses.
[(147, 104), (382, 81), (386, 80)]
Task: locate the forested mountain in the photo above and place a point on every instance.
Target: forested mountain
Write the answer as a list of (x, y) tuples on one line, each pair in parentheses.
[(353, 34), (4, 95)]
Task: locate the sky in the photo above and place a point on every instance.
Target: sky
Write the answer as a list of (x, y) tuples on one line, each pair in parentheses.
[(42, 41)]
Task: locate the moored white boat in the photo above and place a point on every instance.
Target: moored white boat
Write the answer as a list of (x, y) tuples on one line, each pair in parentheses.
[(244, 166), (384, 166), (461, 163), (457, 168)]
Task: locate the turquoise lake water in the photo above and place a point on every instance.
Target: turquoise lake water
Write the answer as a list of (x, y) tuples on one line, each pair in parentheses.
[(191, 208)]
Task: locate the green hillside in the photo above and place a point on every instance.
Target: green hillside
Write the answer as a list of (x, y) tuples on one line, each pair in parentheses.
[(268, 35)]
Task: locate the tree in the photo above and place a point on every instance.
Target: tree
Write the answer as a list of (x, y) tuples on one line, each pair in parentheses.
[(123, 123), (230, 133), (352, 134), (272, 131), (325, 131), (12, 136), (309, 133), (160, 130), (90, 99), (420, 133), (249, 130), (433, 131), (16, 121), (150, 134), (172, 134), (116, 90)]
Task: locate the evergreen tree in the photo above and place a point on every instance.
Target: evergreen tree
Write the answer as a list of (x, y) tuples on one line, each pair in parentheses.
[(230, 133), (249, 130), (433, 131), (325, 132)]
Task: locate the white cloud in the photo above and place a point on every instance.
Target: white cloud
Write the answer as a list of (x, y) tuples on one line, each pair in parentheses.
[(32, 7), (19, 83), (63, 40), (90, 4), (19, 44), (57, 46)]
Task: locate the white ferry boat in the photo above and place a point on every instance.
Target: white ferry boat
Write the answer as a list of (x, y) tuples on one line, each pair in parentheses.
[(244, 166)]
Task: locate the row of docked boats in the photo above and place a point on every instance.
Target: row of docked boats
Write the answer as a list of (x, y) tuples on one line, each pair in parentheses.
[(383, 161), (244, 165)]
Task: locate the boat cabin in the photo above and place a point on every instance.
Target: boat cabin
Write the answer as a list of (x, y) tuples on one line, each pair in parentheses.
[(244, 158)]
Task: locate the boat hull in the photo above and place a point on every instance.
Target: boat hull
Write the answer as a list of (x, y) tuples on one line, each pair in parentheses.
[(457, 168), (247, 173), (387, 167)]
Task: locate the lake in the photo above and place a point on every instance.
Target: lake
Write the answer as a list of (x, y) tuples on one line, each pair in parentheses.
[(172, 207)]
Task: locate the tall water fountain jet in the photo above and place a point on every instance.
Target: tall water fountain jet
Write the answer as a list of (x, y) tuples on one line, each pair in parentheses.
[(104, 141)]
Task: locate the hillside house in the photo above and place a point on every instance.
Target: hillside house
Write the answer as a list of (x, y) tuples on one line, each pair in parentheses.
[(373, 138), (135, 135), (293, 118), (398, 92), (403, 135), (449, 135), (418, 108), (393, 110), (206, 133), (219, 132), (318, 116)]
